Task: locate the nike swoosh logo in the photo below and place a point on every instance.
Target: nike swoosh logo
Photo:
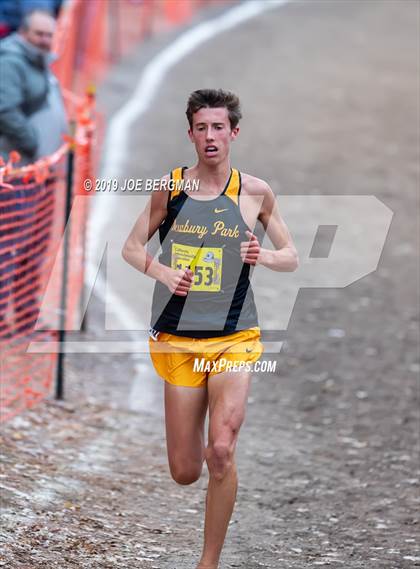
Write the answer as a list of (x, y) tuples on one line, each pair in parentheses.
[(219, 210)]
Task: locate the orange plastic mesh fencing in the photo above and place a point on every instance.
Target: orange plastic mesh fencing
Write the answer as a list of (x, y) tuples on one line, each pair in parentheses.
[(85, 164), (32, 224)]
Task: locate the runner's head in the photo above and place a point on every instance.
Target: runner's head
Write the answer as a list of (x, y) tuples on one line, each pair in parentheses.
[(213, 116), (214, 98)]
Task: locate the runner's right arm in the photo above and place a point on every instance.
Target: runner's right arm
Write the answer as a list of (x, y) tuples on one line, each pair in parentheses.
[(134, 251)]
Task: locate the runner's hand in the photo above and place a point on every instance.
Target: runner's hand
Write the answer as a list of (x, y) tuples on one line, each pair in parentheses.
[(179, 281), (250, 250)]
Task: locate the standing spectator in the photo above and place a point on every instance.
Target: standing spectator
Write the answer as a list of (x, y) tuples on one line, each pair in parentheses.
[(27, 86), (32, 121)]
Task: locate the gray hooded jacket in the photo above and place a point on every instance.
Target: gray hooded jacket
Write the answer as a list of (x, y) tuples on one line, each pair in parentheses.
[(24, 87)]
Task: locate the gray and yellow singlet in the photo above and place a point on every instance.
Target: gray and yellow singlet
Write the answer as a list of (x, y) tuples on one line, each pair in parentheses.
[(205, 235)]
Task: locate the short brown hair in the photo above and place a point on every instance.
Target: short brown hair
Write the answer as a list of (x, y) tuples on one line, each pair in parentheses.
[(213, 98)]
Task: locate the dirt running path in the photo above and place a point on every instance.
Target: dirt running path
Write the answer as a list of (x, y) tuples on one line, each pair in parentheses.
[(328, 463)]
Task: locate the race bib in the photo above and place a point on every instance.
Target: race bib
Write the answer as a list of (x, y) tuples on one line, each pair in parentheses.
[(205, 262)]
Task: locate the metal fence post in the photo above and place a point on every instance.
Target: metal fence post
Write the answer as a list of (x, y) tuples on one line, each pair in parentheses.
[(59, 391)]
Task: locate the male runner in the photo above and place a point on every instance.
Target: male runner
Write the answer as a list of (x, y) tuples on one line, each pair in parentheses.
[(203, 307)]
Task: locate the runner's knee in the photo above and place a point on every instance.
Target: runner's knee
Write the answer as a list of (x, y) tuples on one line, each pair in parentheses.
[(185, 474), (219, 457)]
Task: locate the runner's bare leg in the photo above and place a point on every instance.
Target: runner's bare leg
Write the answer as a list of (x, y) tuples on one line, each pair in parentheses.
[(185, 414), (228, 394)]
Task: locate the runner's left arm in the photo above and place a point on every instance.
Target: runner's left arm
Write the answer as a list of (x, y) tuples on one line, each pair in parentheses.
[(284, 256)]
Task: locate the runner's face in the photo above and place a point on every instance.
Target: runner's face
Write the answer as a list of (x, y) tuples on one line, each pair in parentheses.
[(212, 135)]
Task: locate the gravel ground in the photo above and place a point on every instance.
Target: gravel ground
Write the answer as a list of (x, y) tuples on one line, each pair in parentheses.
[(328, 455)]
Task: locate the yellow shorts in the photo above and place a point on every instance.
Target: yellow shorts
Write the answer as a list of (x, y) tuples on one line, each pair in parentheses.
[(191, 361)]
